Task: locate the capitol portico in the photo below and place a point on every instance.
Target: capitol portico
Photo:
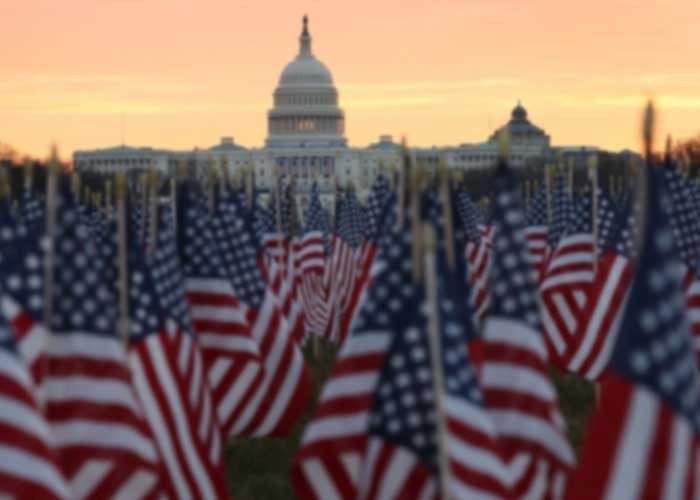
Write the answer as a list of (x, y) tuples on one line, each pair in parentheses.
[(306, 140)]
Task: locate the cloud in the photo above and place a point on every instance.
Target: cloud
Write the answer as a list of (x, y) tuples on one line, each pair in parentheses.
[(636, 101), (98, 95), (432, 85), (390, 102)]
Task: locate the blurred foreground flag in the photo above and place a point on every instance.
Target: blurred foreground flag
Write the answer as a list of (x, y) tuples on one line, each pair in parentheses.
[(28, 464), (519, 395), (643, 438)]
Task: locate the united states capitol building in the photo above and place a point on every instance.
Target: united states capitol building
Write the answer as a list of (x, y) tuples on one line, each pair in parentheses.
[(306, 140)]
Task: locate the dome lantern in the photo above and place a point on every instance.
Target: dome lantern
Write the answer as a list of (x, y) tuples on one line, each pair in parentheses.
[(305, 39)]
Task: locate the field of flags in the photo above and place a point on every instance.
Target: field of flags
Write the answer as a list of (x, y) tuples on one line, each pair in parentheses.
[(141, 333)]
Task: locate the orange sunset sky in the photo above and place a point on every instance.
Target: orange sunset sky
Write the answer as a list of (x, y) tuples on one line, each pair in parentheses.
[(182, 73)]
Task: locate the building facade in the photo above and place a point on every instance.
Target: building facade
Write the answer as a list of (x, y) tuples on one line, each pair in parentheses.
[(306, 141)]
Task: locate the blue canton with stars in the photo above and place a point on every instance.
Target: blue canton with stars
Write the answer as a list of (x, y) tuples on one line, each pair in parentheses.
[(350, 220), (200, 255), (22, 264), (83, 301), (145, 315), (469, 216), (684, 219), (316, 218), (403, 411), (514, 293), (536, 214), (454, 279), (610, 226), (582, 214), (378, 209), (169, 281), (562, 211), (239, 249), (264, 221), (314, 213), (654, 345)]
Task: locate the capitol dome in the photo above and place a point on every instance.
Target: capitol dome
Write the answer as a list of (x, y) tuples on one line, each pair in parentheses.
[(305, 111), (305, 68)]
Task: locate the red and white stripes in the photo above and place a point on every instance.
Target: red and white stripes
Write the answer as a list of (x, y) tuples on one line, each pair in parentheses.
[(328, 463), (599, 320), (645, 449), (232, 358), (564, 290), (28, 463), (170, 381)]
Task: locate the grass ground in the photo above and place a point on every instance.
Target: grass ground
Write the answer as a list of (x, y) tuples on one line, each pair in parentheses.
[(258, 469)]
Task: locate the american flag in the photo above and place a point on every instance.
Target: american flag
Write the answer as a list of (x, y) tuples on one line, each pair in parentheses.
[(279, 245), (469, 215), (693, 192), (168, 372), (271, 235), (691, 286), (232, 356), (401, 460), (282, 394), (562, 207), (478, 252), (568, 275), (643, 438), (589, 353), (28, 462), (685, 224), (474, 456), (96, 420), (344, 273), (378, 209), (312, 265), (289, 293), (329, 461), (264, 223), (520, 398), (536, 230), (378, 215), (478, 256), (684, 217), (22, 301)]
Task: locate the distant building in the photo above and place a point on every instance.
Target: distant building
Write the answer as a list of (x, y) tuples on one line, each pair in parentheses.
[(306, 140)]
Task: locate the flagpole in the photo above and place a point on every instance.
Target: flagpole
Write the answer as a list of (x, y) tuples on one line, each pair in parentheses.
[(211, 184), (28, 171), (433, 314), (334, 297), (108, 196), (144, 185), (548, 191), (528, 192), (401, 182), (225, 174), (593, 176), (249, 185), (278, 201), (153, 185), (51, 185), (416, 241), (447, 211), (122, 262)]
